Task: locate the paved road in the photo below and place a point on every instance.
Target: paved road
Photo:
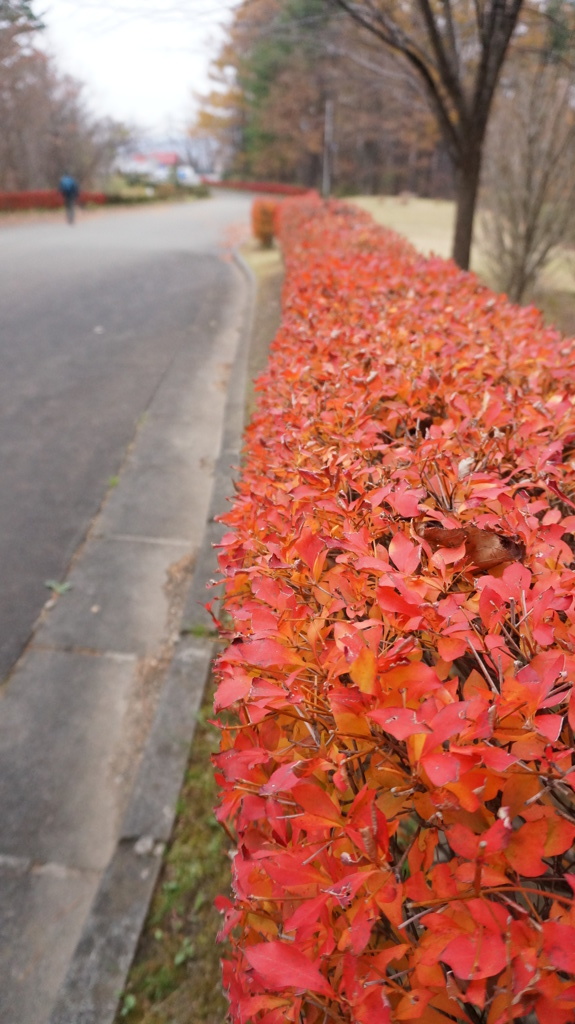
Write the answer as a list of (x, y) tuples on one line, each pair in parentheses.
[(117, 338), (91, 318)]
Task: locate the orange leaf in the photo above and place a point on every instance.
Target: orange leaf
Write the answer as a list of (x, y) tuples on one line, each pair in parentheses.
[(527, 847), (363, 671)]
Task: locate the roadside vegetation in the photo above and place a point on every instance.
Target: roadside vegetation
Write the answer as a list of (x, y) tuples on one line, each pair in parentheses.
[(176, 975), (428, 225), (400, 579)]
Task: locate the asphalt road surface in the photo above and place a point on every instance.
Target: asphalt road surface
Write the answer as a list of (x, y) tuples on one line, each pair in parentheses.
[(91, 318)]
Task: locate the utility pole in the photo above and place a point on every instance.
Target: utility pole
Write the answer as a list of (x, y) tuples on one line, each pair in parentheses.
[(327, 149)]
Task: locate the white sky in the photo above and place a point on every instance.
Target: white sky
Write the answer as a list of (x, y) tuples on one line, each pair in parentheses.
[(141, 60)]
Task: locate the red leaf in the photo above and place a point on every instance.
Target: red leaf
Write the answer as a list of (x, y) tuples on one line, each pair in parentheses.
[(451, 648), (447, 556), (280, 965), (416, 677), (399, 722), (261, 652), (463, 841), (441, 768), (405, 503), (390, 601), (282, 780), (482, 955), (316, 802), (412, 1005), (232, 688), (527, 847), (448, 722), (497, 759), (307, 912), (549, 725), (560, 836), (308, 547), (404, 553), (559, 945)]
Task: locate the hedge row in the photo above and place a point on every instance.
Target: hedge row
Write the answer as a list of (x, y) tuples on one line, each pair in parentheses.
[(43, 199), (396, 761)]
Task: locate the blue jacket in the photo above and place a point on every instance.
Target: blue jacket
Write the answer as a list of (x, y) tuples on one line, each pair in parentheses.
[(69, 187)]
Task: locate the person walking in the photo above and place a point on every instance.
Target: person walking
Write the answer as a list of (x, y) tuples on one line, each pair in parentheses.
[(69, 191)]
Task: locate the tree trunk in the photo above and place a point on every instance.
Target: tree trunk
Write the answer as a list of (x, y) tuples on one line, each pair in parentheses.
[(467, 189)]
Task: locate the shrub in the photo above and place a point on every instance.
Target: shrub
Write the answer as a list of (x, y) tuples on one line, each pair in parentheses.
[(129, 194), (43, 199), (264, 218), (399, 771)]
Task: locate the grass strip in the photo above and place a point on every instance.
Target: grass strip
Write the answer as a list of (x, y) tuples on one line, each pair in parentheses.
[(175, 977)]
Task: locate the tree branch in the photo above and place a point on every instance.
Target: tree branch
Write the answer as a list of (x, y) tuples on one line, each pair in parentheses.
[(497, 34), (450, 78), (385, 29)]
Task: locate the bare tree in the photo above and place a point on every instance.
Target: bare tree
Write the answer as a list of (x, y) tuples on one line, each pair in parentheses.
[(457, 48), (47, 126), (529, 188)]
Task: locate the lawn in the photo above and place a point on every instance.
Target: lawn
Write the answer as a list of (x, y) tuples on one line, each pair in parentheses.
[(175, 978)]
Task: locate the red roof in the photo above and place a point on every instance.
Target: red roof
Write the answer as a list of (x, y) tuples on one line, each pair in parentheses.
[(168, 159)]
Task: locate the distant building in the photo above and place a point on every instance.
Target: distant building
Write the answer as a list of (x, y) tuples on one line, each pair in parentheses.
[(156, 167), (186, 160)]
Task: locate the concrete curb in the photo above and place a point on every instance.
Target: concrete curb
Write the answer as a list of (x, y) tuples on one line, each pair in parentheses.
[(98, 970)]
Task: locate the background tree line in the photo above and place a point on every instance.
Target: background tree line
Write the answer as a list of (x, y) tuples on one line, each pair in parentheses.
[(287, 71), (46, 126), (424, 97)]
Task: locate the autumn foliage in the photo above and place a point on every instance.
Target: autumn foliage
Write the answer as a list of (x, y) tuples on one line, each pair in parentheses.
[(264, 220), (43, 199), (398, 773)]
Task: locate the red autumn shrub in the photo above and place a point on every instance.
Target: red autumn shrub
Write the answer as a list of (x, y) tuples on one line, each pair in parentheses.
[(399, 770), (43, 199), (264, 220)]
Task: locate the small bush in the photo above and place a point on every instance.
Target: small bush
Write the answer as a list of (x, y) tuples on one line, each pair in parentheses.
[(264, 218), (130, 194)]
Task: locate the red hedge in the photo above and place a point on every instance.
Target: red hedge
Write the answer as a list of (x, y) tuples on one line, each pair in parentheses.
[(399, 770), (44, 199)]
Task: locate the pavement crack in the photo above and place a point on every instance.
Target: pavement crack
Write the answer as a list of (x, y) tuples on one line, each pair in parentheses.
[(18, 866), (173, 542)]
